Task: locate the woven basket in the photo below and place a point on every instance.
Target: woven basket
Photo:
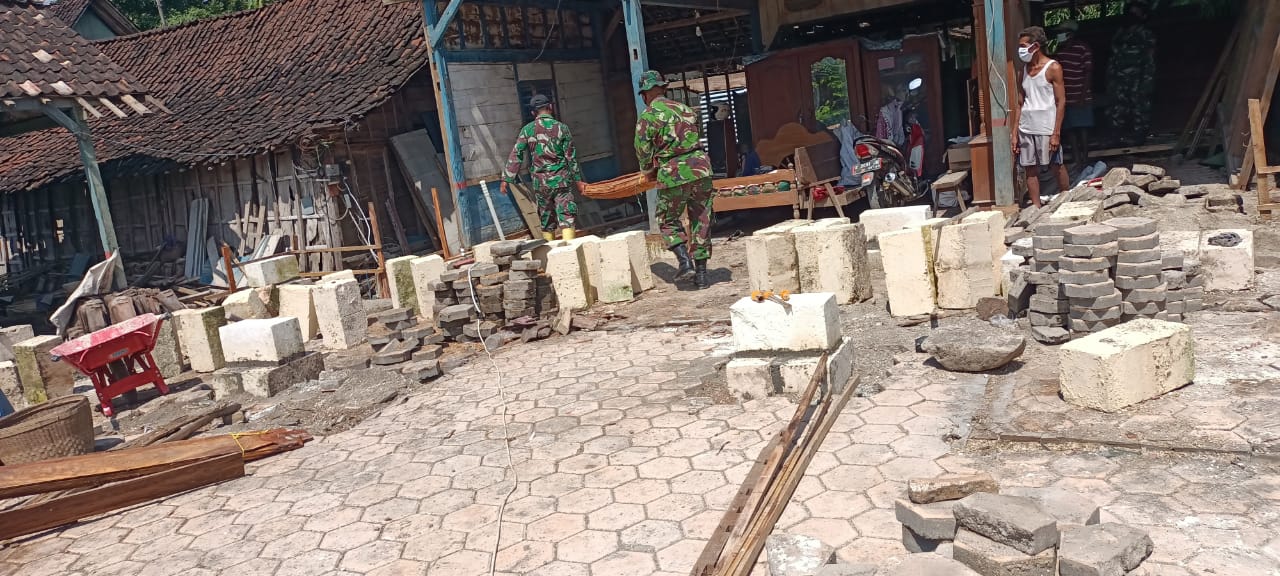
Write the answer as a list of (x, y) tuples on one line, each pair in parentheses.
[(620, 187), (55, 429)]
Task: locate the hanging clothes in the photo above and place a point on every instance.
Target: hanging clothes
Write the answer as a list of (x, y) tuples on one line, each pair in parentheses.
[(915, 149), (889, 123), (847, 134)]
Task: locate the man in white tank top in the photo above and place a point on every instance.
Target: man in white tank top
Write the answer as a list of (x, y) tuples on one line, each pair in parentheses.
[(1038, 116)]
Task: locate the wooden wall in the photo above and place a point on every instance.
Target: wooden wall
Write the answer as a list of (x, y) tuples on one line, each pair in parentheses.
[(777, 13), (489, 112)]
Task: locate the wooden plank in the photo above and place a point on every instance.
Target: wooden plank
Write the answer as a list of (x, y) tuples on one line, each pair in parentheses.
[(24, 521), (1258, 141), (731, 203), (1268, 90), (711, 553)]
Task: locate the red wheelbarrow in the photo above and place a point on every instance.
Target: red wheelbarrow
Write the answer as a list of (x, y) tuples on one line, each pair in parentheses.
[(117, 358)]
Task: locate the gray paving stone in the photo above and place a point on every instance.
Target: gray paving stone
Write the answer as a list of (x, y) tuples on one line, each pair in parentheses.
[(1089, 235), (949, 487), (988, 557), (1010, 520), (935, 520), (930, 564), (1103, 550)]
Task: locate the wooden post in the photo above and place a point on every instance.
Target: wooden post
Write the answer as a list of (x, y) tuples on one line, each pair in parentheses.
[(639, 56), (384, 288), (97, 191), (444, 244), (231, 272), (998, 104)]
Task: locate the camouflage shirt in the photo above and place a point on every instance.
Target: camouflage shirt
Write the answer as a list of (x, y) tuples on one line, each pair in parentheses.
[(546, 145), (667, 137)]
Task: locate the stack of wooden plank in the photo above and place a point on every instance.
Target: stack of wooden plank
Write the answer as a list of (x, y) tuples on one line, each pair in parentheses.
[(736, 544)]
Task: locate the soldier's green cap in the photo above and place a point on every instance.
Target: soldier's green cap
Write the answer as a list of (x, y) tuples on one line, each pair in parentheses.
[(651, 79)]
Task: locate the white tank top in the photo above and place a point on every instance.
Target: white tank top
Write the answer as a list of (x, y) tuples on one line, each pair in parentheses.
[(1039, 111)]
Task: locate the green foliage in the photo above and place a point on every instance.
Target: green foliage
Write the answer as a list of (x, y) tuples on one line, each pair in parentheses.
[(144, 13), (1110, 8), (830, 91)]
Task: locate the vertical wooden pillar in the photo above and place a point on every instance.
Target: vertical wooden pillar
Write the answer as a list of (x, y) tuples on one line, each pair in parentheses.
[(97, 190), (998, 103)]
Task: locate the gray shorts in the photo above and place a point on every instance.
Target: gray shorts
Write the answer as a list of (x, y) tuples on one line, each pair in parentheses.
[(1033, 150)]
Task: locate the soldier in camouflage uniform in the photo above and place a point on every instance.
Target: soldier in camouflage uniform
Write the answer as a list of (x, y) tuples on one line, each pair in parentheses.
[(1131, 76), (547, 147), (668, 147)]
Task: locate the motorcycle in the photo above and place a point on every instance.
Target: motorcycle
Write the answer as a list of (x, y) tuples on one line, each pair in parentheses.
[(884, 175)]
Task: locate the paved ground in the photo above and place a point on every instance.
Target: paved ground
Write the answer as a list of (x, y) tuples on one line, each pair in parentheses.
[(618, 474)]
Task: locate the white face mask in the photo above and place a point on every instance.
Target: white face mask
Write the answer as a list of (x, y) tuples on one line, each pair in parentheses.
[(1024, 53)]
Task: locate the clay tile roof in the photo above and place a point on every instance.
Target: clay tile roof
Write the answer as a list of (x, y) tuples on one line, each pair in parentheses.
[(240, 84), (69, 10), (41, 56)]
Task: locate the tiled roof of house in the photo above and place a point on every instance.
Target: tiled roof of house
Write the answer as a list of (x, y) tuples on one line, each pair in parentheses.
[(241, 84), (42, 57), (69, 10)]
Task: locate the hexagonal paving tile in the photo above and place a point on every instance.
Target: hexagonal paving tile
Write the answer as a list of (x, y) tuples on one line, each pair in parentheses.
[(664, 468), (615, 516), (584, 500), (557, 527), (587, 546), (624, 563)]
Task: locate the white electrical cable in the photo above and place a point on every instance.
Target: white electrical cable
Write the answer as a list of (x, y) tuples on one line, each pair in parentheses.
[(506, 433)]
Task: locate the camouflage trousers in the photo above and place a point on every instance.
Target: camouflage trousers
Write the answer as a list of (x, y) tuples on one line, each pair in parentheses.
[(556, 208), (696, 197), (1130, 111)]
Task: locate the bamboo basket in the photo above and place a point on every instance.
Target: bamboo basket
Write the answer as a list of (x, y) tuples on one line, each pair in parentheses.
[(54, 429), (620, 187)]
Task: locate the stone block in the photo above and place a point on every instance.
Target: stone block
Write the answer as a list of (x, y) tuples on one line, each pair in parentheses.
[(42, 378), (1141, 295), (1141, 256), (990, 558), (567, 267), (832, 257), (1026, 247), (483, 252), (296, 302), (268, 381), (1050, 334), (1099, 302), (1049, 305), (1047, 242), (1053, 291), (265, 341), (591, 259), (1132, 227), (341, 314), (1089, 235), (949, 487), (908, 272), (1010, 520), (917, 544), (1019, 291), (1095, 290), (1048, 320), (168, 352), (935, 521), (1103, 550), (252, 304), (226, 382), (198, 337), (1121, 366), (875, 222), (1047, 227), (1227, 267), (1048, 255), (994, 222), (807, 322), (617, 282), (962, 264), (1137, 282), (1081, 212), (269, 271), (1084, 263), (10, 335), (751, 378), (1086, 326), (426, 270), (1151, 268), (1148, 242), (797, 372), (771, 262), (638, 251), (339, 275), (1091, 277), (1044, 267), (400, 276), (11, 385), (1095, 315)]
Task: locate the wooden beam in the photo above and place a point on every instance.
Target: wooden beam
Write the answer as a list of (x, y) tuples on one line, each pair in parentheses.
[(744, 5), (438, 28), (695, 21), (615, 20), (1268, 89)]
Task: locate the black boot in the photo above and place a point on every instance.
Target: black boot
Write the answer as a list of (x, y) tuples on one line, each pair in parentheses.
[(686, 263), (700, 274)]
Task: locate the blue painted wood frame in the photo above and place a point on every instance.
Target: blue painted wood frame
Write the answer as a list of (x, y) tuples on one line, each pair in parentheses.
[(638, 55), (521, 55), (448, 117), (437, 28), (1001, 137)]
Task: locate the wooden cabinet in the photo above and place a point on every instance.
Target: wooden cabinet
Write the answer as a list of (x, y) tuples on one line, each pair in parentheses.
[(887, 76)]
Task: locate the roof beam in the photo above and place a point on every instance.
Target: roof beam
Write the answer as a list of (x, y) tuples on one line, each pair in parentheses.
[(703, 4), (695, 21), (446, 18)]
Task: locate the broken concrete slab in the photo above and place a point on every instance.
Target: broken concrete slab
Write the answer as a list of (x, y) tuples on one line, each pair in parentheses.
[(806, 322), (296, 301), (877, 221), (1103, 550), (1010, 520), (795, 554), (266, 382), (934, 521), (422, 370), (832, 257), (908, 272), (917, 544), (1226, 257), (198, 337), (266, 341), (269, 271), (991, 558), (1050, 334), (771, 262), (1121, 366), (949, 487), (974, 347)]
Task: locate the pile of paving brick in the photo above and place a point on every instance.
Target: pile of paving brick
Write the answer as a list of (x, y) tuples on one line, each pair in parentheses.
[(398, 338), (1124, 189), (1024, 531), (1048, 306), (511, 295)]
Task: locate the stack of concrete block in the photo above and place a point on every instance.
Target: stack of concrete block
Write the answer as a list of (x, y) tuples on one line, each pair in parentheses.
[(1124, 365), (520, 295), (1095, 303), (777, 346), (453, 319), (1139, 268), (1184, 285), (1048, 306), (264, 357), (927, 515)]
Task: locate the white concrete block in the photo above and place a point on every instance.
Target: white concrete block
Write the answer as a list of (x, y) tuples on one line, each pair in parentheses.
[(567, 267), (10, 335), (1227, 267), (963, 265), (252, 303), (751, 378), (771, 262), (1186, 241), (167, 352), (617, 283), (832, 257), (339, 275), (810, 321), (908, 272), (1126, 364), (591, 258), (269, 381), (343, 322), (641, 266), (796, 373), (270, 341), (199, 339), (994, 222), (400, 276), (881, 220), (275, 270), (296, 302), (426, 270), (11, 386), (784, 227), (1082, 211)]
